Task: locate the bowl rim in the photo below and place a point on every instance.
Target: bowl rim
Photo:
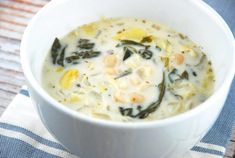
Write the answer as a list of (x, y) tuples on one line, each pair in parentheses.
[(130, 125)]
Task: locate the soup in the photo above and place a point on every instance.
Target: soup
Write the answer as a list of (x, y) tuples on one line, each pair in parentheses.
[(127, 69)]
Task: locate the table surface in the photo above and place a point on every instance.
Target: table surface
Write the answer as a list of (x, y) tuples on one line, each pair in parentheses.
[(14, 16)]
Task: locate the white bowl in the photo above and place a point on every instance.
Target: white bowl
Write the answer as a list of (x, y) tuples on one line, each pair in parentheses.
[(93, 138)]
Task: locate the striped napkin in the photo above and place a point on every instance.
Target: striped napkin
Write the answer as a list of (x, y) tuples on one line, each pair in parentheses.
[(22, 134)]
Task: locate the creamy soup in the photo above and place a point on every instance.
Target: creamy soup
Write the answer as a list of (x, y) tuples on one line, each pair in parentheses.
[(127, 69)]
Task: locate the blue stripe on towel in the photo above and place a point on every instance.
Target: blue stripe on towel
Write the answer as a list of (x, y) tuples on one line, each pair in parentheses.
[(15, 148), (32, 135), (209, 151), (222, 129), (24, 92)]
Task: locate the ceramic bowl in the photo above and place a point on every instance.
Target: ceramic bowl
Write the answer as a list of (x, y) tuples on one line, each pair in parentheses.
[(92, 138)]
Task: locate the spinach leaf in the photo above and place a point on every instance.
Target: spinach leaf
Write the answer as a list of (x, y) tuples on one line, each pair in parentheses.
[(125, 111), (85, 44), (60, 61), (82, 55), (128, 51), (150, 109), (72, 58), (174, 76), (145, 53), (89, 54), (154, 106), (55, 50), (129, 42)]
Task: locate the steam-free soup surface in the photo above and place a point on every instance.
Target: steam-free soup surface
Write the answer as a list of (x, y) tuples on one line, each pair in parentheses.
[(127, 69)]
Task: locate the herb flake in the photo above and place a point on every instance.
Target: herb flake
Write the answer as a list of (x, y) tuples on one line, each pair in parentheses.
[(158, 48), (184, 75), (147, 39)]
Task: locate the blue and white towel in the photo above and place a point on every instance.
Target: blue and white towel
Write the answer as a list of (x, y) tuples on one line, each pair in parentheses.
[(22, 134)]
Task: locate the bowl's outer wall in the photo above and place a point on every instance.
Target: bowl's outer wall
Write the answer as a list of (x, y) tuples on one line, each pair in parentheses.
[(90, 140)]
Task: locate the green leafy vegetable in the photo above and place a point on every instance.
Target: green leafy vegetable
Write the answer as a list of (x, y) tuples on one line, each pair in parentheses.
[(150, 109), (89, 54), (55, 50), (145, 53), (174, 76), (85, 44), (154, 106), (82, 55), (125, 111), (128, 51), (129, 42), (174, 94), (184, 75), (60, 61), (201, 60), (125, 73), (70, 59), (85, 52)]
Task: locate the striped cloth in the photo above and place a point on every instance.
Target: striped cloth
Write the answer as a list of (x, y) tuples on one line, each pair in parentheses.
[(22, 134)]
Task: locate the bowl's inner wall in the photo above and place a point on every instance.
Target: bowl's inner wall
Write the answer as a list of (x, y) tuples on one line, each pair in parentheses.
[(187, 17)]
